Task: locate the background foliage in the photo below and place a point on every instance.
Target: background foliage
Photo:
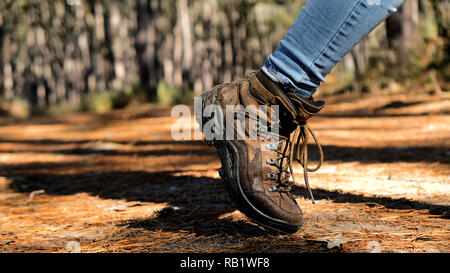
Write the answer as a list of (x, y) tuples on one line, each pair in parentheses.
[(105, 53)]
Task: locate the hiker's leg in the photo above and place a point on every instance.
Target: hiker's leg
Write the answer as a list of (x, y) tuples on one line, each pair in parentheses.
[(324, 31)]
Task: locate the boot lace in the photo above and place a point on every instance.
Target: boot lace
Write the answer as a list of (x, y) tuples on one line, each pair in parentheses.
[(290, 149)]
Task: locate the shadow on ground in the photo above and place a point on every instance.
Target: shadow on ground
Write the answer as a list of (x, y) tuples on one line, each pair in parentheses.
[(391, 203), (195, 203), (331, 152)]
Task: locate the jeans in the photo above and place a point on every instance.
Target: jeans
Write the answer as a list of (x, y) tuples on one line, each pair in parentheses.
[(324, 31)]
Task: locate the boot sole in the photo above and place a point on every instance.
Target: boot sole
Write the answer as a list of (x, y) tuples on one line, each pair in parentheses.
[(230, 175)]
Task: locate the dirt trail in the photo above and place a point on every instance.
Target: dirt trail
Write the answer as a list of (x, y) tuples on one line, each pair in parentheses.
[(117, 182)]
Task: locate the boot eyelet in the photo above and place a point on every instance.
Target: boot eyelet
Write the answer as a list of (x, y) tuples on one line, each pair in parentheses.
[(271, 176), (271, 161), (272, 147)]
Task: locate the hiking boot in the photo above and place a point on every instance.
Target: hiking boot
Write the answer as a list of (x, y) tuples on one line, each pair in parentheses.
[(256, 170)]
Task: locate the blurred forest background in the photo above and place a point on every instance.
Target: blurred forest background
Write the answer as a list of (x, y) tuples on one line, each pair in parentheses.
[(76, 55)]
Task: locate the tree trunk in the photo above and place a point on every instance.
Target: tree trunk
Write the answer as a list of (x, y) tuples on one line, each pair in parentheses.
[(402, 31)]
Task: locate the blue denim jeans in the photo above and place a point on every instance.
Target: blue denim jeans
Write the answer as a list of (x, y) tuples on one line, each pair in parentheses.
[(324, 31)]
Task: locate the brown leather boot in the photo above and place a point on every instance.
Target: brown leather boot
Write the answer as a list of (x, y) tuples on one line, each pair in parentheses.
[(256, 171)]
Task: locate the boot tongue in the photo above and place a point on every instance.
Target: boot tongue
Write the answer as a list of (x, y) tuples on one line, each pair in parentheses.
[(277, 95), (294, 106), (292, 101), (306, 107)]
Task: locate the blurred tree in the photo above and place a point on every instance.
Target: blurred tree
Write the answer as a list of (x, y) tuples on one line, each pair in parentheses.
[(55, 53), (403, 33)]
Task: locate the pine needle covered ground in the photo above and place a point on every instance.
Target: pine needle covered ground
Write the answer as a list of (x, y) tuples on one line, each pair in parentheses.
[(117, 182)]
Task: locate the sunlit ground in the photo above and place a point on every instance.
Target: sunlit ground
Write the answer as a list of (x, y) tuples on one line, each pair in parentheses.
[(117, 182)]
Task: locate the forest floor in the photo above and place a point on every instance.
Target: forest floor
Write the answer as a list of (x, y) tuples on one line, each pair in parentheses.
[(118, 182)]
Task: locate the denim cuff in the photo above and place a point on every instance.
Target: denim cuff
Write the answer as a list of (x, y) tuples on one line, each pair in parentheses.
[(278, 77)]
